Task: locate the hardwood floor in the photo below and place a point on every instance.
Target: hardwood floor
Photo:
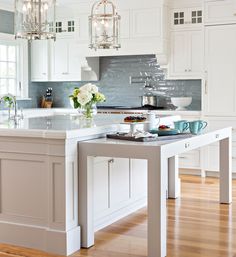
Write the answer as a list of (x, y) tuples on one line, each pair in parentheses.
[(198, 226)]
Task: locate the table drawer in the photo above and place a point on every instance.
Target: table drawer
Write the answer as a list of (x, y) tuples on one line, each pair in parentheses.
[(190, 160)]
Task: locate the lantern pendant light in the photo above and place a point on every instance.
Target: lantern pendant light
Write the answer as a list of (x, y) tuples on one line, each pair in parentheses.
[(35, 19), (104, 25)]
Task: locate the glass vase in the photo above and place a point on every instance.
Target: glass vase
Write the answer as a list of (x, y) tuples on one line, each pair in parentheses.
[(89, 110)]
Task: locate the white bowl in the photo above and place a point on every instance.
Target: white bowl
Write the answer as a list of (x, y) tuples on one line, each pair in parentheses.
[(181, 102)]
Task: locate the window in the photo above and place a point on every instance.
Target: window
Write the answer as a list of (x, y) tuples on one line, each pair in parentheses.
[(13, 66), (8, 69)]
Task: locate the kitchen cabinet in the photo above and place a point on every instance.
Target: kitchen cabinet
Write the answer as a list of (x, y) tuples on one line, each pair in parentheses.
[(182, 18), (143, 31), (220, 77), (69, 64), (40, 62), (120, 187), (220, 12), (187, 51)]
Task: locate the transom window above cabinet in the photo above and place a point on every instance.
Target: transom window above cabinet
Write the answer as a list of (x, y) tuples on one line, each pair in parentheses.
[(186, 17)]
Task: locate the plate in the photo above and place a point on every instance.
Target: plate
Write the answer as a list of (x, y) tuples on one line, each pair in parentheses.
[(165, 132)]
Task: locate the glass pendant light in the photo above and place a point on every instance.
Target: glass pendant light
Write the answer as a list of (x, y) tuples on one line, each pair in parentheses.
[(104, 24), (35, 19)]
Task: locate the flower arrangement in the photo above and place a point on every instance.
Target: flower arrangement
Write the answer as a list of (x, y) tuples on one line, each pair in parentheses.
[(85, 97)]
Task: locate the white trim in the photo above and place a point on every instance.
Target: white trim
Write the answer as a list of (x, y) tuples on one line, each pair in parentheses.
[(7, 37), (7, 7), (23, 76)]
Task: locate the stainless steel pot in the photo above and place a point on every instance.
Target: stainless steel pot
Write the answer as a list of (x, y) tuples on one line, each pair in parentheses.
[(149, 100)]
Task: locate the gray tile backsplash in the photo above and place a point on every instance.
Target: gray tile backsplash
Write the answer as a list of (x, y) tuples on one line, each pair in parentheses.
[(115, 74)]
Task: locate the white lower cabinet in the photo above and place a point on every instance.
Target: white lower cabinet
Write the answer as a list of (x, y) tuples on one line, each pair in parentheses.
[(120, 187)]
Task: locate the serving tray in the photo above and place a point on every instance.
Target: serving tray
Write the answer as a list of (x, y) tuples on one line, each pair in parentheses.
[(123, 136)]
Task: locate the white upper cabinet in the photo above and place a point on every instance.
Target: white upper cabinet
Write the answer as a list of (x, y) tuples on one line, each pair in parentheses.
[(182, 18), (220, 12), (220, 62), (39, 60), (187, 51), (143, 28), (65, 61), (68, 64)]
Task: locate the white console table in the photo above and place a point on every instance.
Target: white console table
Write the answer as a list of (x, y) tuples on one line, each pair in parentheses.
[(162, 174)]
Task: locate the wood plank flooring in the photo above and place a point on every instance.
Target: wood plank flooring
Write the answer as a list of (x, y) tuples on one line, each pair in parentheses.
[(197, 227)]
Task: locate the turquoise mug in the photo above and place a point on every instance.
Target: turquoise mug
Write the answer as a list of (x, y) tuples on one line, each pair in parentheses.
[(197, 126), (181, 125)]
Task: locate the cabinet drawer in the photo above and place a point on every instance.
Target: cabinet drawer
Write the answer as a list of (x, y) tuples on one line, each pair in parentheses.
[(220, 12), (190, 160)]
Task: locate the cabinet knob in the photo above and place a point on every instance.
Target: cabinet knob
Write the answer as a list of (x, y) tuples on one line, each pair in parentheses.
[(111, 161), (185, 70)]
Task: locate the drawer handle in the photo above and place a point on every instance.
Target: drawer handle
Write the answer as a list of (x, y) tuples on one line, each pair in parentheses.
[(182, 157), (234, 157), (187, 145)]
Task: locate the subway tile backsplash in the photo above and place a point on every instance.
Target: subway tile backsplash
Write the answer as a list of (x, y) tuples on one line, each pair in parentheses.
[(114, 81)]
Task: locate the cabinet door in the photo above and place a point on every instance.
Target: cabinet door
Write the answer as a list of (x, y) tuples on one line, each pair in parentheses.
[(39, 60), (119, 182), (101, 186), (146, 23), (220, 12), (138, 178), (220, 54), (196, 53), (179, 53), (66, 62)]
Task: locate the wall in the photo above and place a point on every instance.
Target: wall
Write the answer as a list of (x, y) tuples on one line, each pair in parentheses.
[(6, 22), (114, 83)]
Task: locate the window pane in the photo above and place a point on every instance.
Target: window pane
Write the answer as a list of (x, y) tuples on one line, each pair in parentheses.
[(3, 53), (3, 86), (3, 69), (12, 84), (11, 70), (12, 53)]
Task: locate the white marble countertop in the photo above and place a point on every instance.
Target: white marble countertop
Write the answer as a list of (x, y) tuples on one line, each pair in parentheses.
[(65, 123)]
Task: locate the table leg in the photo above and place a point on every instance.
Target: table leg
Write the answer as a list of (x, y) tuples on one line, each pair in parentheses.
[(86, 215), (157, 185), (226, 170), (173, 177)]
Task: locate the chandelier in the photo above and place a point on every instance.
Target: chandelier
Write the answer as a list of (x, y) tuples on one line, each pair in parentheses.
[(35, 19), (104, 26)]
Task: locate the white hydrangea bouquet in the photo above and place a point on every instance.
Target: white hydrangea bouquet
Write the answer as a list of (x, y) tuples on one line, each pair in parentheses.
[(86, 97)]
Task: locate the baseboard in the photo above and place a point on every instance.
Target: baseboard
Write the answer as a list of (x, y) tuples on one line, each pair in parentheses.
[(40, 238), (209, 173), (119, 214)]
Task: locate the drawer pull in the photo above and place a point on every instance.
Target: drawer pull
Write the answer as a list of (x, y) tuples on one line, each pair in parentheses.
[(187, 145), (234, 157), (182, 157)]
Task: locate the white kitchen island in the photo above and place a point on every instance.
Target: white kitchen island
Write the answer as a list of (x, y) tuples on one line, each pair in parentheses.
[(39, 178)]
